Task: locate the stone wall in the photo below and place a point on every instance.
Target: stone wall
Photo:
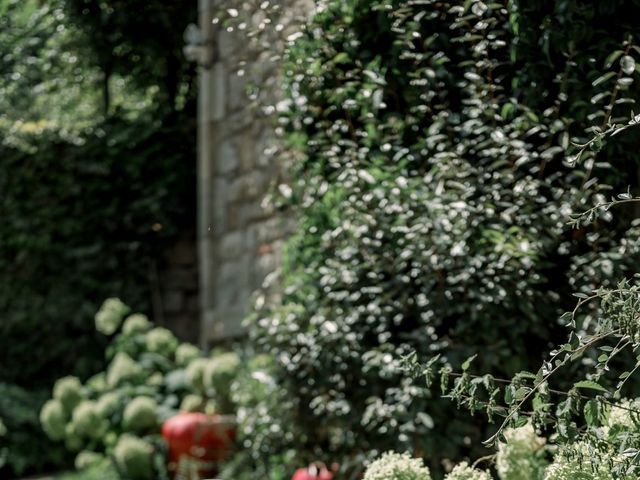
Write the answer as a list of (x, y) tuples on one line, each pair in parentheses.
[(239, 239), (175, 300)]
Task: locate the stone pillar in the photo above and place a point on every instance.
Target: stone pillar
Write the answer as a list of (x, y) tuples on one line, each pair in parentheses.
[(238, 240)]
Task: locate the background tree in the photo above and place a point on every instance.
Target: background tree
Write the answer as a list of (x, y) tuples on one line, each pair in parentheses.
[(97, 119)]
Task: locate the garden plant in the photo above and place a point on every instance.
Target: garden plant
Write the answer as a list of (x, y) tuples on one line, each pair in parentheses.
[(115, 417)]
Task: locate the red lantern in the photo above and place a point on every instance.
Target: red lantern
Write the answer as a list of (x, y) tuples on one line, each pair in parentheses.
[(315, 471), (197, 442)]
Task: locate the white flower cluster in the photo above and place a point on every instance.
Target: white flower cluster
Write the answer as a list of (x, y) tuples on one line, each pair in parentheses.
[(518, 457), (397, 466), (624, 415), (463, 471), (109, 317), (578, 464)]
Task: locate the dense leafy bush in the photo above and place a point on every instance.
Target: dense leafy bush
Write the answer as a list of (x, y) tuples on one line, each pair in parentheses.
[(20, 431), (117, 413), (98, 149), (81, 222), (433, 193), (89, 200)]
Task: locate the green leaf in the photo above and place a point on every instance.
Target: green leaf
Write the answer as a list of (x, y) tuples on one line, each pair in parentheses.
[(590, 385), (592, 412), (521, 393), (612, 58), (467, 363), (603, 78)]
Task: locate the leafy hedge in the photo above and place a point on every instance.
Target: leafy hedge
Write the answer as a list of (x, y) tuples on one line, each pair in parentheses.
[(433, 195)]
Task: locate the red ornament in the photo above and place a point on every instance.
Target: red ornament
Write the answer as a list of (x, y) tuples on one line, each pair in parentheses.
[(197, 441), (315, 471)]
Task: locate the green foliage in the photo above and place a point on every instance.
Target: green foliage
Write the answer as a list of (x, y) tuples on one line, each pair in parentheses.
[(397, 466), (96, 179), (21, 436), (110, 201), (434, 181), (149, 52)]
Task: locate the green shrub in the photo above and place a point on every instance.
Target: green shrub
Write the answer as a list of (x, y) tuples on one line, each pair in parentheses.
[(118, 413), (433, 184), (92, 197), (22, 440)]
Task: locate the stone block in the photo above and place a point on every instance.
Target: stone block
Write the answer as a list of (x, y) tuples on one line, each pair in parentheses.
[(218, 207), (237, 99), (185, 279), (217, 108), (183, 252), (227, 159), (269, 230), (247, 187), (173, 301), (232, 245)]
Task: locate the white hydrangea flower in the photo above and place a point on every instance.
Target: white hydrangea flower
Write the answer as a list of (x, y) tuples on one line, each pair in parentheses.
[(624, 415), (397, 466), (517, 458), (463, 471), (577, 465)]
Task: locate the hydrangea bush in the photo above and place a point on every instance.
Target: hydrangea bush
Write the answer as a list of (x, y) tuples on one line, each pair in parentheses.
[(116, 414)]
